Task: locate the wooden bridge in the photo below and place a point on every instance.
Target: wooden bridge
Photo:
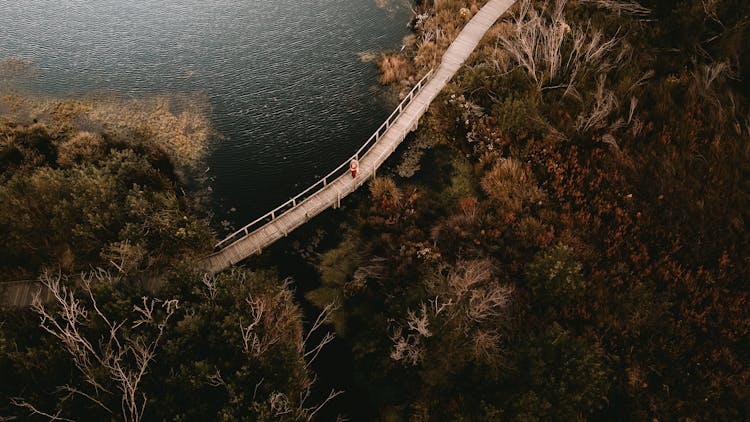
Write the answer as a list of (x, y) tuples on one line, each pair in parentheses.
[(330, 190), (336, 185)]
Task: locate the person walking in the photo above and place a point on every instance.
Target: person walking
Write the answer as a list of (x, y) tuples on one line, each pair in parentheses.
[(353, 167)]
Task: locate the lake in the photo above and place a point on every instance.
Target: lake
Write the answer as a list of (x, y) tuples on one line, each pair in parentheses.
[(286, 88)]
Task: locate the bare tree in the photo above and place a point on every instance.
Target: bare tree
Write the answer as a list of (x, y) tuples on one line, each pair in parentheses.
[(281, 405), (467, 302), (209, 281), (406, 347), (311, 351), (120, 356)]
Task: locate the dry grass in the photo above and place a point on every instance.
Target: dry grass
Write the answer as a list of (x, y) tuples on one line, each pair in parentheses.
[(605, 103), (178, 126), (435, 29), (559, 56), (385, 192), (536, 41), (624, 7), (183, 134), (511, 185), (394, 68), (436, 25), (427, 54)]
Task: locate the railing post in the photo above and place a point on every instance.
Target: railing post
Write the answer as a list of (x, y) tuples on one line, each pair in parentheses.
[(273, 215), (294, 202)]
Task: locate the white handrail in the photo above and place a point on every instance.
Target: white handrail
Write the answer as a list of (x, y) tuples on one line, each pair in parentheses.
[(295, 201)]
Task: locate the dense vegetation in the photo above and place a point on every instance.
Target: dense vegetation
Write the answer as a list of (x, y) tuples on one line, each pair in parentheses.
[(228, 347), (106, 191), (98, 183), (564, 238), (575, 246)]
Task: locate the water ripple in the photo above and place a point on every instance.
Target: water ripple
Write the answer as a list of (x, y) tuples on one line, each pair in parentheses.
[(286, 87)]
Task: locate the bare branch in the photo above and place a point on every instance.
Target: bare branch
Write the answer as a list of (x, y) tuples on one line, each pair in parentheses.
[(209, 281), (215, 380), (620, 7), (408, 349), (16, 401), (332, 395), (420, 323), (146, 313), (255, 391), (488, 302), (72, 390), (124, 357), (323, 317), (468, 302), (280, 404), (316, 350), (438, 307), (486, 344), (468, 274)]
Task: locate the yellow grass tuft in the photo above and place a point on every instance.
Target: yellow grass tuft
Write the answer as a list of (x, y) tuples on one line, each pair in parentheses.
[(394, 68), (180, 127), (385, 192)]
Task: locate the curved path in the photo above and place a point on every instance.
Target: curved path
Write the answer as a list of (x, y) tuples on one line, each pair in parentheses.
[(325, 194), (328, 191)]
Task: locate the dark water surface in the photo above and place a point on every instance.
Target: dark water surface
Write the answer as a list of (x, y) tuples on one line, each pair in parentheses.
[(283, 78)]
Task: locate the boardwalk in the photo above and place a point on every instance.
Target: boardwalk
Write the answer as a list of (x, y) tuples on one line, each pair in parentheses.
[(329, 191)]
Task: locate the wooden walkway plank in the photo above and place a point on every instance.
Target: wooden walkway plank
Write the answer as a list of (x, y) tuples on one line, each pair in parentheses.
[(235, 250)]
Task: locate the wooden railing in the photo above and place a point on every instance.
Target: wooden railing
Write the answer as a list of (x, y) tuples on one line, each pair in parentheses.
[(333, 175)]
